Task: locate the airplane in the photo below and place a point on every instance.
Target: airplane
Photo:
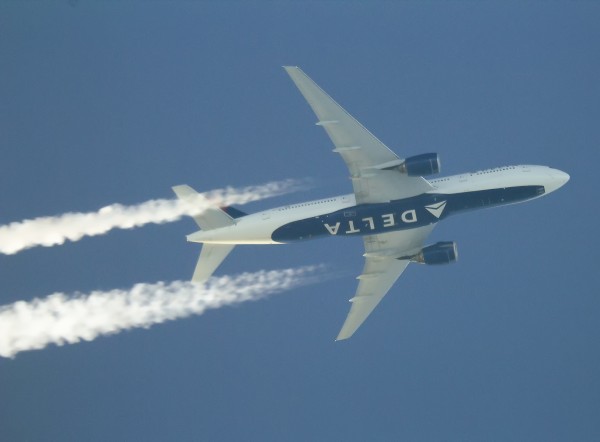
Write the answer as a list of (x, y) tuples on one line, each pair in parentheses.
[(393, 207)]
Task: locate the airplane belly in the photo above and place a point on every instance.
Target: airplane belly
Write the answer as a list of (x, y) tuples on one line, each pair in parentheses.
[(251, 231), (365, 219), (405, 214)]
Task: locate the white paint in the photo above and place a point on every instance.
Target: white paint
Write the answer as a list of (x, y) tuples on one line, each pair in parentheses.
[(370, 221), (410, 216), (388, 219), (333, 230), (252, 229), (351, 228)]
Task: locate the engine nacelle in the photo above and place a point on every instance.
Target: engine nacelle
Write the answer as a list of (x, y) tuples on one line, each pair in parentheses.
[(443, 252), (421, 165)]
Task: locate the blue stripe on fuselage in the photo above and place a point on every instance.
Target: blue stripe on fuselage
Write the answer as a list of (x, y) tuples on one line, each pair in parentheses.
[(409, 213)]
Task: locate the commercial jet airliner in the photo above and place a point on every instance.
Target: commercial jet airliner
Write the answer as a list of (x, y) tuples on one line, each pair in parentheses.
[(393, 208)]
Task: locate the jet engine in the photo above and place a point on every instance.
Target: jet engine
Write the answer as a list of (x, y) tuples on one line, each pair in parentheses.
[(443, 252), (421, 165)]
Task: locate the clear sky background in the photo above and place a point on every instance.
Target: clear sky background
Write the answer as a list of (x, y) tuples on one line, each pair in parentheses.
[(104, 102)]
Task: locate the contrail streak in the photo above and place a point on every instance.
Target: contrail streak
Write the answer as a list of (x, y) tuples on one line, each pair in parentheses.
[(67, 319), (55, 230)]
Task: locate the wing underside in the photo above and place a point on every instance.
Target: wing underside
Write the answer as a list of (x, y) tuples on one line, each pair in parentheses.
[(376, 178), (381, 270), (370, 162)]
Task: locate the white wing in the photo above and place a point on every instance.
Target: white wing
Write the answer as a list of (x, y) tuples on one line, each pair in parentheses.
[(371, 164), (364, 154), (382, 269)]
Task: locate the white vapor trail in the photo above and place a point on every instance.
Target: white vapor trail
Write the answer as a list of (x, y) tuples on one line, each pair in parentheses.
[(55, 230), (60, 318)]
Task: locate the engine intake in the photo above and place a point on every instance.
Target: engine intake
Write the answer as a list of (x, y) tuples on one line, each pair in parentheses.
[(443, 252), (421, 165)]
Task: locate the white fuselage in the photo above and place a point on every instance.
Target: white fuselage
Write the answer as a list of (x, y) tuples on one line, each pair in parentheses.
[(258, 228)]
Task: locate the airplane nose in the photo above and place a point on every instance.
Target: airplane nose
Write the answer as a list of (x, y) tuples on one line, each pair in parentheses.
[(558, 178)]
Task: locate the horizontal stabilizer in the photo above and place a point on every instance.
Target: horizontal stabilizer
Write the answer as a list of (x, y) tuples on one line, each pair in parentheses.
[(211, 256), (211, 218), (184, 192)]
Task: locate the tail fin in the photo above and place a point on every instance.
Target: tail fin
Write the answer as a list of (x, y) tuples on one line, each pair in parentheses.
[(211, 255)]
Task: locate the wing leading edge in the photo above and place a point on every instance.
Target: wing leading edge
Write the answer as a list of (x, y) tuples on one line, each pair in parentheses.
[(375, 179), (369, 160)]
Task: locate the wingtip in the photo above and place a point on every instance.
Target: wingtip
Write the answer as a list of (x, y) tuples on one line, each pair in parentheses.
[(183, 191)]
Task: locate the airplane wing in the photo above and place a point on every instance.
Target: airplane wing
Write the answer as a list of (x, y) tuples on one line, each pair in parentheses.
[(366, 156), (382, 269)]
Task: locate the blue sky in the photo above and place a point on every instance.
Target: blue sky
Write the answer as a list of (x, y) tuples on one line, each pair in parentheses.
[(105, 102)]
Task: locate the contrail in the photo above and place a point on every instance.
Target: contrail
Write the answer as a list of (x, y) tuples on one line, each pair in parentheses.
[(67, 319), (55, 230)]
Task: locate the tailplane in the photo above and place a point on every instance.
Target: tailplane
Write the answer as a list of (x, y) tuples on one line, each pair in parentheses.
[(212, 218), (211, 255)]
